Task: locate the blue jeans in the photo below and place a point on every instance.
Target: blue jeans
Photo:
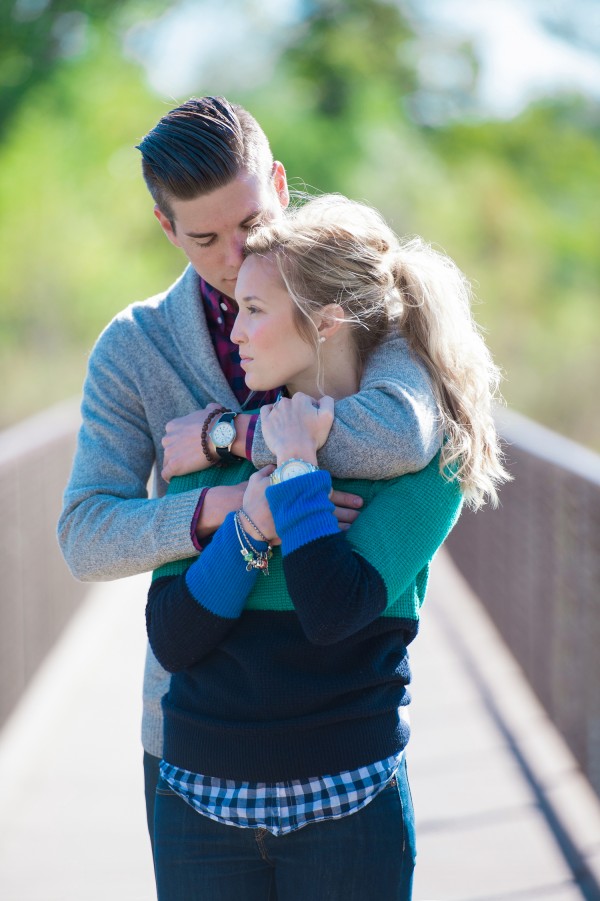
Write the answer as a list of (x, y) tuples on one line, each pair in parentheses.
[(369, 854), (151, 776)]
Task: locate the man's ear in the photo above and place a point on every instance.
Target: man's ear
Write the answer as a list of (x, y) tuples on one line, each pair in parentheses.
[(280, 183), (167, 226), (330, 320)]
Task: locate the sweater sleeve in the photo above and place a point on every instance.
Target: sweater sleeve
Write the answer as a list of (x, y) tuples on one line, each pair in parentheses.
[(389, 428), (341, 582), (108, 527), (188, 615)]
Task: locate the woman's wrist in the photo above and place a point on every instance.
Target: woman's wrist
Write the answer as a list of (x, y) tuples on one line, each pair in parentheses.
[(307, 453)]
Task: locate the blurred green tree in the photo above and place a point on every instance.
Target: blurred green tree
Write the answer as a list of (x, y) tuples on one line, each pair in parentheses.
[(37, 36), (511, 201)]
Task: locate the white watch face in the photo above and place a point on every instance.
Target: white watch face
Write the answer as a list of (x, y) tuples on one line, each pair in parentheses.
[(294, 468), (223, 434)]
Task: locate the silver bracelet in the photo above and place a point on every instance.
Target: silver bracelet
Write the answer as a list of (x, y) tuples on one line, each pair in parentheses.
[(253, 558), (253, 524)]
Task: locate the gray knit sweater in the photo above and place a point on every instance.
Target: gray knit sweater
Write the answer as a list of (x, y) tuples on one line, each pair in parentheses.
[(155, 361)]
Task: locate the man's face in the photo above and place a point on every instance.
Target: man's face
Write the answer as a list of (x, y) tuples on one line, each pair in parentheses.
[(211, 229)]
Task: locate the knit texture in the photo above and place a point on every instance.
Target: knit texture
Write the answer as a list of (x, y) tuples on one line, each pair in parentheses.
[(311, 677), (156, 361)]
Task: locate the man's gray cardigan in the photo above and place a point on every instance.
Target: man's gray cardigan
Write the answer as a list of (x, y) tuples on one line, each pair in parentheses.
[(155, 361)]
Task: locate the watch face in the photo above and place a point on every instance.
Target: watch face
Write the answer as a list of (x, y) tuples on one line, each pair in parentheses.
[(294, 468), (223, 434)]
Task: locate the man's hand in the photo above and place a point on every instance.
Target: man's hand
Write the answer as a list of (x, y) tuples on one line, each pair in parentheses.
[(347, 507), (218, 502), (183, 444)]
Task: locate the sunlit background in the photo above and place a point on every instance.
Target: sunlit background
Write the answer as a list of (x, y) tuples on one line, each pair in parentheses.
[(476, 125)]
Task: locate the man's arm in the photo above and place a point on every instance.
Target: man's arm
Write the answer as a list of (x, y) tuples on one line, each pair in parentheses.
[(389, 428), (108, 527)]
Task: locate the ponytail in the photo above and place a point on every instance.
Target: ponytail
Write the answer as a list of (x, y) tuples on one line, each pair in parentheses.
[(437, 322), (333, 250)]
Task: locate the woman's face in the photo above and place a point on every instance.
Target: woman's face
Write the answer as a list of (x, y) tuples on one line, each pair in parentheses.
[(272, 351)]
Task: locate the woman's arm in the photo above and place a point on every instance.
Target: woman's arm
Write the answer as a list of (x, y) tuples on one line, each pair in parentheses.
[(339, 584), (187, 615)]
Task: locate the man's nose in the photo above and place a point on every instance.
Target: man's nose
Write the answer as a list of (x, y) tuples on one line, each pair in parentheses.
[(235, 251)]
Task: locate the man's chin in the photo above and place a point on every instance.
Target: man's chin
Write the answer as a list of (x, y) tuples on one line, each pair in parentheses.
[(227, 287)]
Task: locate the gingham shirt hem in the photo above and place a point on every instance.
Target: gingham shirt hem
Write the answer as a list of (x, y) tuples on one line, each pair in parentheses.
[(281, 807)]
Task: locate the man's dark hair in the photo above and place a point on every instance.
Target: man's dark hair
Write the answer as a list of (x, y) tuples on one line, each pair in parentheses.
[(200, 146)]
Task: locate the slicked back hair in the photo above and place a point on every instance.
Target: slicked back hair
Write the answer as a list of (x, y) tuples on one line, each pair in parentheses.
[(200, 146)]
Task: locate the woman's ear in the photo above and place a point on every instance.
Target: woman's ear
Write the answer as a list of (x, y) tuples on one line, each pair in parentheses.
[(330, 319)]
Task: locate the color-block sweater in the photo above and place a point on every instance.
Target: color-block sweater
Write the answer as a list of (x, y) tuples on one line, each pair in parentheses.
[(156, 361), (305, 671)]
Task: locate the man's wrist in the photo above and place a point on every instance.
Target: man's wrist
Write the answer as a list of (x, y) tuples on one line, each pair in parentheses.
[(217, 503), (198, 544), (243, 424)]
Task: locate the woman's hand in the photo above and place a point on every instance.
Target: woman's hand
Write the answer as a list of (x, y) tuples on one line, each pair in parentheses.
[(256, 506), (297, 426), (183, 444)]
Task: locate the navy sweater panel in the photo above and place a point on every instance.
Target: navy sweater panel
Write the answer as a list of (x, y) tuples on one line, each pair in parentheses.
[(180, 630), (268, 705), (354, 591)]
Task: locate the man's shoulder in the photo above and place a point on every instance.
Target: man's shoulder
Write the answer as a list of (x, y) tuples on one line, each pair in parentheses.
[(155, 314), (395, 357)]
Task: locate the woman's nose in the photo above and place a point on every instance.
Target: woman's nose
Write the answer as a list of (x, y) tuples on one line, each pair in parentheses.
[(236, 331)]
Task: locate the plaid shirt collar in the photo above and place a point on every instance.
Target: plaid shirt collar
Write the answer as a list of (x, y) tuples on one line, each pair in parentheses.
[(220, 313), (220, 309)]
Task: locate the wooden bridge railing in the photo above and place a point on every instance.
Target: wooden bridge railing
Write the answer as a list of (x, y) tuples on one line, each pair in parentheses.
[(535, 565)]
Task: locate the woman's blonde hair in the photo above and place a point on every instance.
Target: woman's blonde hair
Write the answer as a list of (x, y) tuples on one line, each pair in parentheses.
[(332, 250)]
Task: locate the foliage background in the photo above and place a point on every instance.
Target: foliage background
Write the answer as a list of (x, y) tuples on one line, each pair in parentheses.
[(347, 104)]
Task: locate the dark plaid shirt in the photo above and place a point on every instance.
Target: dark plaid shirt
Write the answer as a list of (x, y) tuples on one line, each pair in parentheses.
[(220, 313)]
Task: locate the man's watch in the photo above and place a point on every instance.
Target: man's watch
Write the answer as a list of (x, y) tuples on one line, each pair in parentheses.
[(290, 469), (223, 434)]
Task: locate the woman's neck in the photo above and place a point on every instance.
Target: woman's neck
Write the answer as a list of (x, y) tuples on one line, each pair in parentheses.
[(339, 374)]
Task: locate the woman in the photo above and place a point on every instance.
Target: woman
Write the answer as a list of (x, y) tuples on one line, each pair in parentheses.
[(287, 708)]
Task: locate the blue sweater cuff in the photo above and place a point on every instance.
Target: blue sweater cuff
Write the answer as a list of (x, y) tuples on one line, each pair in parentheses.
[(218, 578), (301, 510)]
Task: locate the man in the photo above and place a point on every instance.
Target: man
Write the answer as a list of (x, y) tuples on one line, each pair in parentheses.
[(160, 363)]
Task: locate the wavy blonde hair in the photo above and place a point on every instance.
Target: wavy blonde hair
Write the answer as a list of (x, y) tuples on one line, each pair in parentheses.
[(332, 250)]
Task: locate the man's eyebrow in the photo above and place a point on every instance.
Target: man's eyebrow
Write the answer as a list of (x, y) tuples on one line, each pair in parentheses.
[(250, 216), (245, 221)]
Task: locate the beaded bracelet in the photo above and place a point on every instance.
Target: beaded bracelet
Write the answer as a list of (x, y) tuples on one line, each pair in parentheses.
[(204, 433), (253, 558)]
